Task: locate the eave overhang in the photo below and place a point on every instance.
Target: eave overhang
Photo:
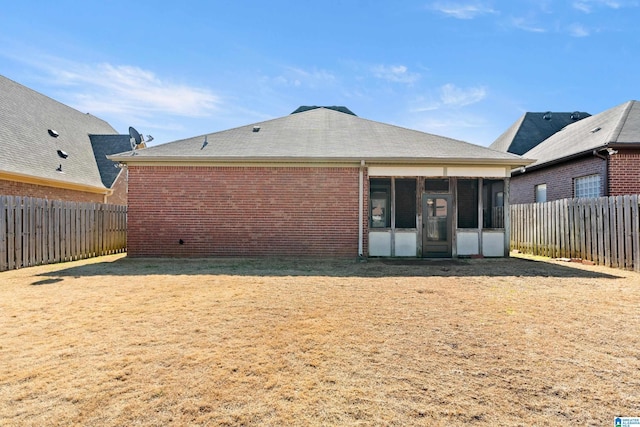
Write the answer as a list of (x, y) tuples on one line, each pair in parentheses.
[(28, 179)]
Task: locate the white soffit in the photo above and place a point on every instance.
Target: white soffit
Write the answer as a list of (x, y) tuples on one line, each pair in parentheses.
[(479, 171), (406, 171)]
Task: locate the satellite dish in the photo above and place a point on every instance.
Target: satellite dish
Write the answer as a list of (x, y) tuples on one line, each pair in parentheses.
[(135, 138)]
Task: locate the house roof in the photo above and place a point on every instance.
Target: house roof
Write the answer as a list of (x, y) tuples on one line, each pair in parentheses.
[(103, 145), (321, 135), (615, 127), (313, 107), (37, 132), (533, 128)]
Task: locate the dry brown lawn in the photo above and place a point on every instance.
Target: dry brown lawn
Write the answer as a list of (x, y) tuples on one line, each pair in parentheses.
[(114, 341)]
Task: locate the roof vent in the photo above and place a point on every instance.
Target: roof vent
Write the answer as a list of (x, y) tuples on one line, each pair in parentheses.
[(575, 115), (256, 128), (547, 115), (594, 130), (62, 154), (53, 133)]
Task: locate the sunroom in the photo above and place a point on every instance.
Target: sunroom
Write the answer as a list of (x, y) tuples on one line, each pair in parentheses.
[(448, 215)]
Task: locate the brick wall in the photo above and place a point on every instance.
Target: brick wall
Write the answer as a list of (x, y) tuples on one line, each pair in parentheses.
[(624, 173), (243, 211), (119, 187), (14, 188), (559, 179)]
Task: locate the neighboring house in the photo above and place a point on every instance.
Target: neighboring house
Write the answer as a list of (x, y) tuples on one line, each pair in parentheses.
[(533, 128), (320, 182), (49, 150), (596, 156)]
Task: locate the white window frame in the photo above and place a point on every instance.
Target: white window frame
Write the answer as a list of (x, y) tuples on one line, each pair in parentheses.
[(537, 193)]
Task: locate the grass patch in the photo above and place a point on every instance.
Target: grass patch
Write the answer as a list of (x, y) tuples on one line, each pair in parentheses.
[(118, 341)]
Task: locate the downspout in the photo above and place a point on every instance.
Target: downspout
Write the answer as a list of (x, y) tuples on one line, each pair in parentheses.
[(606, 170), (360, 210)]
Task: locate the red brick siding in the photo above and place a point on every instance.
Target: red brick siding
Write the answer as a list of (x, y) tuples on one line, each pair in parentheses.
[(14, 188), (624, 173), (119, 187), (559, 179), (242, 211)]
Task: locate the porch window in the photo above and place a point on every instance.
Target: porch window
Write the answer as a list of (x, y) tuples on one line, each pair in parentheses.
[(467, 203), (493, 203), (380, 203), (405, 192), (436, 185)]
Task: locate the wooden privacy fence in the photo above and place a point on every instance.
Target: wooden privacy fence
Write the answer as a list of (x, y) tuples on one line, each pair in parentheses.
[(39, 231), (602, 230)]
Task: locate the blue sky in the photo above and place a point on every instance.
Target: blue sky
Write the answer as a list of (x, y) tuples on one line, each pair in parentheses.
[(464, 69)]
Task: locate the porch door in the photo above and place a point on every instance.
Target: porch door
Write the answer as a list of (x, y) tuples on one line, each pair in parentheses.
[(436, 225)]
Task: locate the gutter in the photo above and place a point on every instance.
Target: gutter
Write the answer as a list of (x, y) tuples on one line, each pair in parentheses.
[(405, 161)]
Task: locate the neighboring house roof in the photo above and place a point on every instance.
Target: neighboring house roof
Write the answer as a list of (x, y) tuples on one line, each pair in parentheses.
[(103, 145), (322, 135), (615, 127), (533, 128), (303, 108), (46, 142)]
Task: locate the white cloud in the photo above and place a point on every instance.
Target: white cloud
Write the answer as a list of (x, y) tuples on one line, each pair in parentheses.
[(462, 10), (395, 73), (587, 6), (454, 96), (526, 25), (298, 77), (124, 89), (577, 30)]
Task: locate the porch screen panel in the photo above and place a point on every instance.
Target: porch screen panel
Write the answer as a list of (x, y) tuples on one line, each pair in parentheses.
[(405, 203), (467, 203)]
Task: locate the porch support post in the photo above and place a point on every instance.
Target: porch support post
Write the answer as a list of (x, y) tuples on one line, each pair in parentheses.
[(361, 209), (507, 218)]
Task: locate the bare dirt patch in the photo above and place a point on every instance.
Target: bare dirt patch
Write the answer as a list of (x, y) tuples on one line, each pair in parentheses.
[(122, 342)]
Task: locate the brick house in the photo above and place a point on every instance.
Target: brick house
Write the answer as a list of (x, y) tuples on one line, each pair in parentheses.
[(593, 157), (50, 150), (318, 182)]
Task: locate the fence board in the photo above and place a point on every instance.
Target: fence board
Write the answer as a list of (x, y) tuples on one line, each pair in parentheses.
[(39, 231), (605, 230), (4, 260)]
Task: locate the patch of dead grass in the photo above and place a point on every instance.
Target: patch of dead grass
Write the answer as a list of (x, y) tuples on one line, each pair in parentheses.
[(125, 342)]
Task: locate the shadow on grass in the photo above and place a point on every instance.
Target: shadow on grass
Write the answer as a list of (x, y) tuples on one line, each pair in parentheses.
[(496, 267)]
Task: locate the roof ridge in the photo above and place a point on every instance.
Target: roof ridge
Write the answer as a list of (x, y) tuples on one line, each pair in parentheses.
[(615, 133)]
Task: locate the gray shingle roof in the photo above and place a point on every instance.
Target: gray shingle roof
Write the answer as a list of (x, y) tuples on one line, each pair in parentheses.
[(617, 126), (533, 128), (322, 135), (26, 146), (104, 145)]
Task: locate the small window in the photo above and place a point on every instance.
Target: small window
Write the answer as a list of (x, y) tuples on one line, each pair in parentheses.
[(436, 185), (541, 193), (587, 186), (468, 203)]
